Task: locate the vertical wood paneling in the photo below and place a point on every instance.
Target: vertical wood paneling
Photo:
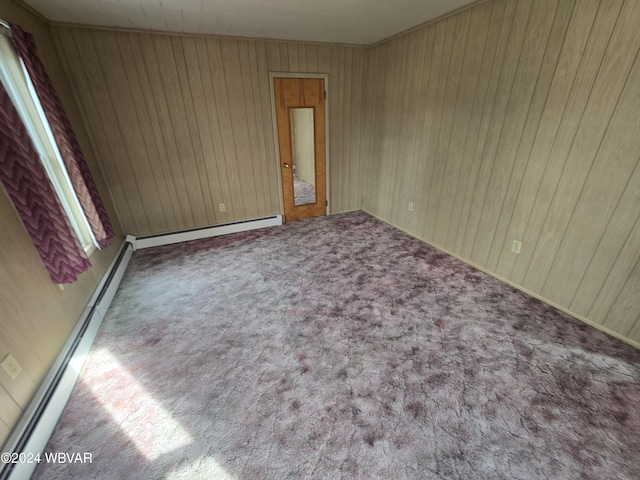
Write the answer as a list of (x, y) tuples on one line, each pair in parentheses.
[(368, 163), (486, 19), (344, 175), (427, 94), (418, 84), (513, 120), (390, 144), (526, 115), (130, 133), (336, 127), (160, 111), (209, 125), (454, 115), (405, 123), (193, 79), (222, 109), (441, 60), (9, 412), (623, 316), (4, 430), (531, 125), (175, 202), (522, 81), (284, 57), (255, 110), (163, 212), (573, 48), (353, 196), (578, 100), (90, 92), (477, 231), (502, 29), (312, 58), (595, 298), (273, 57), (604, 96), (600, 194), (197, 165), (183, 124)]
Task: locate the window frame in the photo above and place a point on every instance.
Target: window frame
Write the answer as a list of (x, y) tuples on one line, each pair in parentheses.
[(17, 82)]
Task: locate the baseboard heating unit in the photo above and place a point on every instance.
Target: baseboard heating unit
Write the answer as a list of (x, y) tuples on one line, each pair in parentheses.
[(31, 434), (203, 232)]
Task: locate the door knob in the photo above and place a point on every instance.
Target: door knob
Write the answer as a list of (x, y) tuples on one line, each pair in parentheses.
[(285, 165)]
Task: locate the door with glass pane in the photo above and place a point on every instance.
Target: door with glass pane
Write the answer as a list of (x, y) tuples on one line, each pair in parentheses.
[(301, 134)]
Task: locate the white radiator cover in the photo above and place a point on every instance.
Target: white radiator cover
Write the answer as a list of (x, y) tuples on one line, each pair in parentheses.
[(206, 232), (31, 434)]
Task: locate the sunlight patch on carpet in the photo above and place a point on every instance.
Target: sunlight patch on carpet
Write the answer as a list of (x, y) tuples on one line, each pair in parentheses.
[(204, 468), (140, 417)]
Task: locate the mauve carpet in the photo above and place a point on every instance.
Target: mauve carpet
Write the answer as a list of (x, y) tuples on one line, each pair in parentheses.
[(340, 347)]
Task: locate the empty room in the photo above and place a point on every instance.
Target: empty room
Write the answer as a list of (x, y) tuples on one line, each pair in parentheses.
[(265, 239)]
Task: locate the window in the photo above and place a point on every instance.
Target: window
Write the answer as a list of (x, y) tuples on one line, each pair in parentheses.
[(16, 81)]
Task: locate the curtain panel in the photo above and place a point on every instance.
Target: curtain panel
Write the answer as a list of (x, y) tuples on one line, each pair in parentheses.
[(35, 199), (72, 156)]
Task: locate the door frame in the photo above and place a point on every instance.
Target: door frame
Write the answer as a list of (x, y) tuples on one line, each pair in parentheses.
[(325, 76)]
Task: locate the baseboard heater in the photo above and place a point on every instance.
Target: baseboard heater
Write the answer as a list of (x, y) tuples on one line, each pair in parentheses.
[(148, 241), (31, 434)]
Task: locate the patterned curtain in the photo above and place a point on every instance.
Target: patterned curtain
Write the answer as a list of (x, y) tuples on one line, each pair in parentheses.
[(68, 146), (35, 199)]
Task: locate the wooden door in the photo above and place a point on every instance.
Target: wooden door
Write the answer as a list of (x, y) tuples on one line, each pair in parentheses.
[(300, 116)]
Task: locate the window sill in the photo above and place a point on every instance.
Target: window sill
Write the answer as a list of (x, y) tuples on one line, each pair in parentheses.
[(90, 250)]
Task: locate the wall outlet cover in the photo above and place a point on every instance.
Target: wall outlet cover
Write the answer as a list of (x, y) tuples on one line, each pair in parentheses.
[(11, 366), (516, 247)]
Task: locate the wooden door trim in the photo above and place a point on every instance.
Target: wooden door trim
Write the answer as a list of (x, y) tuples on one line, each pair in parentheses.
[(274, 121)]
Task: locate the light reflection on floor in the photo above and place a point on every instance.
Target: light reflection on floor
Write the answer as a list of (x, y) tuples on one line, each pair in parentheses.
[(204, 468), (133, 409)]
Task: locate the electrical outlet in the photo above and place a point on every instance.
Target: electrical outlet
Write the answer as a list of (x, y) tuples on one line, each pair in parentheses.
[(411, 206), (515, 248), (222, 207), (11, 366)]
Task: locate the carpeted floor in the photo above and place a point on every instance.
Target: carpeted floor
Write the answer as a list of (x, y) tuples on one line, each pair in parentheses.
[(340, 347)]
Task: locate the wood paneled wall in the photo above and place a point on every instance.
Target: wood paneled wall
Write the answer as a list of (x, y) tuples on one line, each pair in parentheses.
[(36, 317), (182, 124), (518, 120)]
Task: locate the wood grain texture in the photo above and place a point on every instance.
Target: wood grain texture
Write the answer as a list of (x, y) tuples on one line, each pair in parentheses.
[(517, 120), (182, 124), (301, 93), (36, 317)]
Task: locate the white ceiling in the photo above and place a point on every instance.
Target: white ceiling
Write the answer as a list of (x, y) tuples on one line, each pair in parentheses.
[(360, 22)]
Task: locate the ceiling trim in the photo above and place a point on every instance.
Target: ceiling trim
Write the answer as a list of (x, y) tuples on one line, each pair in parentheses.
[(33, 11), (428, 22), (458, 10), (198, 35)]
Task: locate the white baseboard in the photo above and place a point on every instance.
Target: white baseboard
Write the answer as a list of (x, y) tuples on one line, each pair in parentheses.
[(31, 434), (206, 232), (43, 412)]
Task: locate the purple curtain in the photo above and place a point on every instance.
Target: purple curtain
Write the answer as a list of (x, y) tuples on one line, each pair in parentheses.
[(68, 146), (29, 187)]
